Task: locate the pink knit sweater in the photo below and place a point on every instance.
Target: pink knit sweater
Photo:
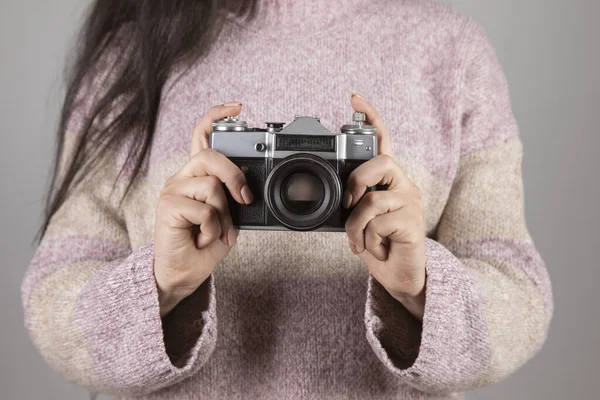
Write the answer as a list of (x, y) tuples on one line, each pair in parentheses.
[(291, 315)]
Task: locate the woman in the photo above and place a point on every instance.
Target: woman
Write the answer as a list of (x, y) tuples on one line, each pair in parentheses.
[(124, 296)]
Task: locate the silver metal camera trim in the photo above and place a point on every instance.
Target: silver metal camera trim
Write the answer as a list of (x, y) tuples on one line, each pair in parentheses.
[(245, 144)]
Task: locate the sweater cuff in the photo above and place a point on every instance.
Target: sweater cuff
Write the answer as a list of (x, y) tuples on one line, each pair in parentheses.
[(119, 313), (451, 347)]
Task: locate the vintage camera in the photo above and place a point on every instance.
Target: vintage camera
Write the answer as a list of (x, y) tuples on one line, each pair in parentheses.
[(297, 173)]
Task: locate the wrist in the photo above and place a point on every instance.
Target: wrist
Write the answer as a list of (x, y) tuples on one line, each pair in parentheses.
[(167, 301), (415, 304), (170, 297)]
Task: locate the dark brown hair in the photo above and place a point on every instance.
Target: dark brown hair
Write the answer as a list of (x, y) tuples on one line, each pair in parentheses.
[(150, 39)]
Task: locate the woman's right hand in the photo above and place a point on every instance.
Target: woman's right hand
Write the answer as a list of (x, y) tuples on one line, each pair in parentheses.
[(183, 257)]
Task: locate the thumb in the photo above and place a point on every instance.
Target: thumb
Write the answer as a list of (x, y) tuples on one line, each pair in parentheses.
[(359, 104)]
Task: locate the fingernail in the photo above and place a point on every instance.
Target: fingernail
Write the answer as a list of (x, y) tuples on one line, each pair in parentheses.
[(232, 236), (347, 199), (358, 95), (232, 104), (247, 194), (353, 248)]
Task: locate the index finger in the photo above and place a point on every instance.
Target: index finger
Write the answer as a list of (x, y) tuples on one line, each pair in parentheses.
[(373, 118), (210, 162), (204, 128), (381, 170)]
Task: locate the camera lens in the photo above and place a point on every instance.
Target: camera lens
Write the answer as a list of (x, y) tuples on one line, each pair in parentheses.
[(302, 193)]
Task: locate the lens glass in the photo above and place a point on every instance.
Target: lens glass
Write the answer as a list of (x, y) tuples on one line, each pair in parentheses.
[(302, 193)]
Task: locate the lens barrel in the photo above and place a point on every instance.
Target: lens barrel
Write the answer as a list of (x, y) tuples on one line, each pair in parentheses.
[(303, 191)]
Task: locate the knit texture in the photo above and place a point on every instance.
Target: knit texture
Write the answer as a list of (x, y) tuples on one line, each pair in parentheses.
[(295, 315)]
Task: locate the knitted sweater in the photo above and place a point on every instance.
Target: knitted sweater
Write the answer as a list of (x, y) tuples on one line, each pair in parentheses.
[(295, 315)]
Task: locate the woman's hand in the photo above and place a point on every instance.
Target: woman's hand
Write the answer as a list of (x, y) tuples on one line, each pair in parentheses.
[(183, 257), (386, 228)]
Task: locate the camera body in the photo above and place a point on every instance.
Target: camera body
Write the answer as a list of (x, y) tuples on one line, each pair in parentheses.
[(297, 173)]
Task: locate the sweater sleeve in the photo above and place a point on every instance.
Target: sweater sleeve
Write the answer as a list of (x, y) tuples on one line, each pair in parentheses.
[(91, 302), (488, 294)]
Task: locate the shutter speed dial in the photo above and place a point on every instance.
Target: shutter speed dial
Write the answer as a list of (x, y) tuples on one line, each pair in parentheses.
[(358, 126)]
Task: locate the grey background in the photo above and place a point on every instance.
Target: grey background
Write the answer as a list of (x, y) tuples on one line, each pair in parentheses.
[(550, 52)]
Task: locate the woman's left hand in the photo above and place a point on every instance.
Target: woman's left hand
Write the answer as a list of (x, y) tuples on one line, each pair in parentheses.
[(386, 228)]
